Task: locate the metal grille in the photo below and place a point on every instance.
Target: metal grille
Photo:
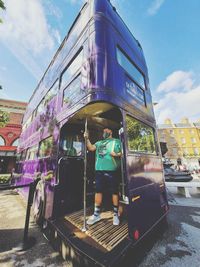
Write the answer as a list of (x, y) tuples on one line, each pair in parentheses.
[(103, 232)]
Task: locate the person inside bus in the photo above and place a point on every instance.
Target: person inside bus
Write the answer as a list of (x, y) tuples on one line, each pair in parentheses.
[(107, 165)]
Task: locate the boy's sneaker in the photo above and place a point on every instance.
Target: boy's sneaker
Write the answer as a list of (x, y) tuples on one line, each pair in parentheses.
[(93, 219), (115, 219)]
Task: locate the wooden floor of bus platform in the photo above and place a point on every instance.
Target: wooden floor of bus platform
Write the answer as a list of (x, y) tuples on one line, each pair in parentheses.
[(103, 232)]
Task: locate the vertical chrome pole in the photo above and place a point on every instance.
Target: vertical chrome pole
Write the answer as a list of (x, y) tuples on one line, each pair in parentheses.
[(84, 229)]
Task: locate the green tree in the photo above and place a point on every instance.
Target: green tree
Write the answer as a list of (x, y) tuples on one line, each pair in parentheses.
[(4, 118), (2, 6), (140, 136)]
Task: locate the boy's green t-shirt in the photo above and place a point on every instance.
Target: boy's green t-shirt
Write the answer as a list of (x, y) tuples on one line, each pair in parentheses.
[(104, 161)]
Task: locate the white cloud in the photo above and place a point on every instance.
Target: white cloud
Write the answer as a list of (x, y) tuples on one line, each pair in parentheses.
[(26, 23), (179, 103), (26, 32), (177, 80), (52, 9), (57, 36), (155, 6)]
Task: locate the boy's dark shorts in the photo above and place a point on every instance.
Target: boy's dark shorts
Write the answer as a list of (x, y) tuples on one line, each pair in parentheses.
[(107, 181)]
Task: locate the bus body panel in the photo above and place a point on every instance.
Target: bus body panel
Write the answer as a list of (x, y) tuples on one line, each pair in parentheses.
[(98, 34)]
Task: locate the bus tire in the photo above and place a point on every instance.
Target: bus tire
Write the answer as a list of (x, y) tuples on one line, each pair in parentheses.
[(39, 203)]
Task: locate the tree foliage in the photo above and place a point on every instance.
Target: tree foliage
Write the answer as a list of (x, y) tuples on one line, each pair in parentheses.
[(2, 6), (4, 118), (140, 136)]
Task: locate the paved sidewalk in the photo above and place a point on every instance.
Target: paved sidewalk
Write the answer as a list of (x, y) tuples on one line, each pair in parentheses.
[(12, 220)]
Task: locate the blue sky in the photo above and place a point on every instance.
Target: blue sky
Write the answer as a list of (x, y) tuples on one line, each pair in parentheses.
[(168, 31)]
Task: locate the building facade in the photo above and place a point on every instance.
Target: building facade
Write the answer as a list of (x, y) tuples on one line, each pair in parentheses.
[(9, 133), (183, 141)]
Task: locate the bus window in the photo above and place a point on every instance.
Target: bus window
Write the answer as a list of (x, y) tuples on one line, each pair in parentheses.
[(27, 123), (72, 146), (126, 63), (40, 107), (135, 91), (46, 147), (51, 93), (23, 155), (74, 66), (140, 136), (31, 153), (73, 91)]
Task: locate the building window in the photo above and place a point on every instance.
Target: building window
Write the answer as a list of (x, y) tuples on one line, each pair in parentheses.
[(162, 138), (130, 68), (172, 140), (171, 131), (185, 151), (196, 151), (72, 69), (181, 131), (183, 140), (2, 141), (193, 140), (174, 151), (140, 137), (192, 131), (16, 142)]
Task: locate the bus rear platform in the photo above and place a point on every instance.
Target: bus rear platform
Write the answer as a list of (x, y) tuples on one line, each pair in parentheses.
[(103, 244)]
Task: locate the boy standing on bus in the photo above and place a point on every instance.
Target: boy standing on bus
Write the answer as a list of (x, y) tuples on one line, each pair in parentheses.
[(107, 164)]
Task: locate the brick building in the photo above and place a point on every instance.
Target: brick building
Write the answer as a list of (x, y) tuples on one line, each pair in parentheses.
[(183, 141), (9, 134)]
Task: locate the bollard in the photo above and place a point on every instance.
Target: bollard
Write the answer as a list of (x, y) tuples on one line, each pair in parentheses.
[(28, 242)]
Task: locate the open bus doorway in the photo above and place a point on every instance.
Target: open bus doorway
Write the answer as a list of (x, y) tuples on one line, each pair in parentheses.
[(71, 156)]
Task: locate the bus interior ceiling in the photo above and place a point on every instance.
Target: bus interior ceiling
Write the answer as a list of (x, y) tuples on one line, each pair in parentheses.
[(71, 171)]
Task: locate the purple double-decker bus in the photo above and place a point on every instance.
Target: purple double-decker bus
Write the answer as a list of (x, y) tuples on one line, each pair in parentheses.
[(97, 78)]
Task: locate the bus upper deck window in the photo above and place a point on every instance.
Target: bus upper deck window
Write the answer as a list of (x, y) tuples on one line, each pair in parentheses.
[(131, 69), (51, 93), (72, 69)]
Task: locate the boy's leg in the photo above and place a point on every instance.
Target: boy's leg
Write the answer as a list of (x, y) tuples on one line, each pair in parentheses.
[(115, 197), (98, 200)]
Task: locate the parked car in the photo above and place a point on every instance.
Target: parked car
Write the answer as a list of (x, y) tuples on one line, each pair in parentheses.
[(172, 175)]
